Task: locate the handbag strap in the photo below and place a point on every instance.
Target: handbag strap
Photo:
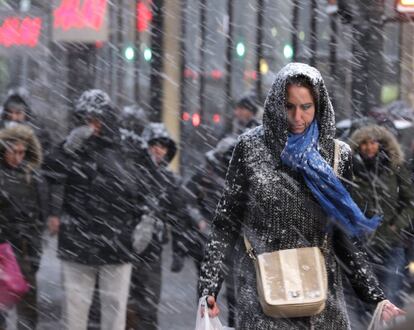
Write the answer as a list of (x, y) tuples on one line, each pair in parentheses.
[(336, 156), (249, 248)]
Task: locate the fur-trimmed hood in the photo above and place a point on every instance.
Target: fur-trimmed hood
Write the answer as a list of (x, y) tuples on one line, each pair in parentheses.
[(25, 134), (386, 139)]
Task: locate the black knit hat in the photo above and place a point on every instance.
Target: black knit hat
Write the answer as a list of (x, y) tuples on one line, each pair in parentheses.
[(248, 102)]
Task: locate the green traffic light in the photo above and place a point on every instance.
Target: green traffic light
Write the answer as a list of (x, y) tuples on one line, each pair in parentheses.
[(129, 53), (240, 49), (288, 51), (147, 54)]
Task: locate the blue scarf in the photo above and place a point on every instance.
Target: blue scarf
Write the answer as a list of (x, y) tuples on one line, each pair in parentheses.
[(301, 154)]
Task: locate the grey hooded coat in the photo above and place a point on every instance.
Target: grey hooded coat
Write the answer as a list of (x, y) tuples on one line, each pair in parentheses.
[(273, 207)]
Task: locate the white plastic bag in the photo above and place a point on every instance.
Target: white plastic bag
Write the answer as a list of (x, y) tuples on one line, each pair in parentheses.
[(377, 324), (143, 232), (206, 322)]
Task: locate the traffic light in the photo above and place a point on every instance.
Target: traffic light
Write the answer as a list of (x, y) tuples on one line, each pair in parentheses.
[(147, 54), (240, 49), (288, 51), (404, 6), (129, 53)]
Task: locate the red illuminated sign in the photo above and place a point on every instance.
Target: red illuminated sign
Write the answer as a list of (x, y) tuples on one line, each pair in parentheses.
[(144, 15), (17, 31), (77, 14)]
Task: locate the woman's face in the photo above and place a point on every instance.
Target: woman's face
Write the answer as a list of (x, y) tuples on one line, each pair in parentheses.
[(300, 108), (369, 148), (15, 154)]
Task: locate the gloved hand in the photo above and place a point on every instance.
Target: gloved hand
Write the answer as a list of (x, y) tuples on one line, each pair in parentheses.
[(77, 138), (143, 233)]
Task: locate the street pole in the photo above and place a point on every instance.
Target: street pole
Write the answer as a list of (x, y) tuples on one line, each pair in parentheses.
[(313, 33), (368, 61), (157, 32), (202, 94), (295, 24), (120, 94), (137, 61), (229, 68), (259, 48), (333, 56), (172, 70)]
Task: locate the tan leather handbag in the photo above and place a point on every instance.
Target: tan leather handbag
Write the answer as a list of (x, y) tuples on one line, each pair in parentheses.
[(290, 283)]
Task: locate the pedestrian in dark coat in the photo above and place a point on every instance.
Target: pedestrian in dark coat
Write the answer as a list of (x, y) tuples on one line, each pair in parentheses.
[(203, 192), (245, 111), (22, 209), (95, 206), (383, 186), (270, 198), (167, 207)]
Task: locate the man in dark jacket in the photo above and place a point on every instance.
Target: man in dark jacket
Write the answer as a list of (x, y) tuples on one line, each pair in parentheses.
[(22, 209), (95, 205), (167, 208)]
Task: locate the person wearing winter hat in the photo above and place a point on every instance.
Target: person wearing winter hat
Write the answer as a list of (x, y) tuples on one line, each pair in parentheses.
[(94, 206), (168, 208), (383, 186), (245, 111), (286, 189)]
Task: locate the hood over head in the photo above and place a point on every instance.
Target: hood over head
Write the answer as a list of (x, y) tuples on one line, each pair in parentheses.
[(16, 100), (385, 138), (157, 132), (220, 156), (97, 104), (275, 123), (134, 119), (23, 133)]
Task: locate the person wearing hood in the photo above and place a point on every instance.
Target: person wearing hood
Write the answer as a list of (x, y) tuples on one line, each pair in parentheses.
[(95, 206), (282, 192), (383, 186), (168, 208), (203, 192), (22, 210), (245, 111), (16, 110)]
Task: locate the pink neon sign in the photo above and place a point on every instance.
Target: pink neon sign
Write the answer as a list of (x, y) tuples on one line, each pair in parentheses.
[(17, 31), (77, 14)]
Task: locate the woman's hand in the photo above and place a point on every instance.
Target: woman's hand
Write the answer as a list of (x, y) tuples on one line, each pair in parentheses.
[(390, 311), (213, 309)]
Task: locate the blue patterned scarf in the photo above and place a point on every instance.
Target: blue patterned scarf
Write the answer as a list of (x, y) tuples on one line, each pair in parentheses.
[(301, 154)]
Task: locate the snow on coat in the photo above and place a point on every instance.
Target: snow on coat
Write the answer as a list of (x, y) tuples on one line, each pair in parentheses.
[(272, 206)]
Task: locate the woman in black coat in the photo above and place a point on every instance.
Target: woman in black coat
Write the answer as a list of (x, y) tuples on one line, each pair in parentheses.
[(267, 199)]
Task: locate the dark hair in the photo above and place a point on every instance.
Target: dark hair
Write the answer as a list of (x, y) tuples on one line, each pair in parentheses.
[(304, 81)]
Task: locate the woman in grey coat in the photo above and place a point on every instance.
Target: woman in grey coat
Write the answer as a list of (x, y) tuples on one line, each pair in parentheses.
[(268, 200)]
